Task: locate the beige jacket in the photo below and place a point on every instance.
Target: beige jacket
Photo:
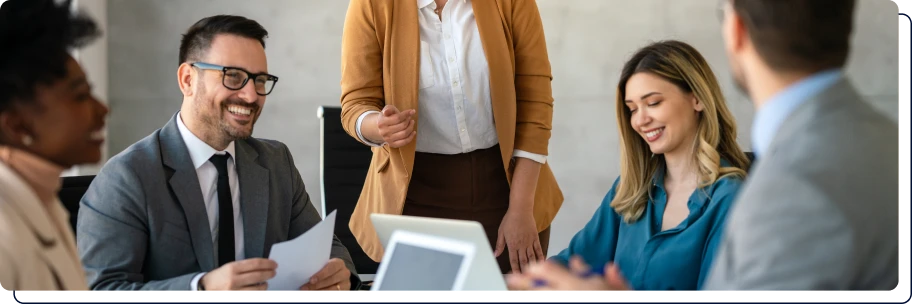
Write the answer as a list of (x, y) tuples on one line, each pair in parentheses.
[(34, 253)]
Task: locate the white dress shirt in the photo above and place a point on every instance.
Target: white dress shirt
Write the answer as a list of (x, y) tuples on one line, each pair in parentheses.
[(200, 152), (454, 92)]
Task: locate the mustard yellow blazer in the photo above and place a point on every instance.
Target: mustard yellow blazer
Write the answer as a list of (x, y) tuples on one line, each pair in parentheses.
[(380, 53)]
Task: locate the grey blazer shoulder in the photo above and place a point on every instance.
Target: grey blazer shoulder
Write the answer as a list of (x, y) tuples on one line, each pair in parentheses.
[(143, 224), (819, 210)]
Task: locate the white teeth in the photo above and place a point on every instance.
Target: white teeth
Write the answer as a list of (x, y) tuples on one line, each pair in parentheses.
[(239, 110), (654, 133), (97, 135)]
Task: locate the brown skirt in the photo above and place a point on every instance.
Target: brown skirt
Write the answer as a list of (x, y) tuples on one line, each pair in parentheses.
[(470, 186)]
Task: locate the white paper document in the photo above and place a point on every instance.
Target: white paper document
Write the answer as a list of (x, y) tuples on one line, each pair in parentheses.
[(301, 258)]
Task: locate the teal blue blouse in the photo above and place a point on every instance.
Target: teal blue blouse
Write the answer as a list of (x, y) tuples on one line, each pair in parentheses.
[(651, 259)]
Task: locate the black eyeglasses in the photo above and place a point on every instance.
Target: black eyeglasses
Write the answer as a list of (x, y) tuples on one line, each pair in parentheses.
[(236, 78)]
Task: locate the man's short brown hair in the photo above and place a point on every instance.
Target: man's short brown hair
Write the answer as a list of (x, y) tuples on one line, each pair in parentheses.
[(799, 35), (196, 42)]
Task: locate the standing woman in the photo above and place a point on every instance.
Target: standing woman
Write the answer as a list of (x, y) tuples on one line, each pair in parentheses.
[(49, 121), (454, 97)]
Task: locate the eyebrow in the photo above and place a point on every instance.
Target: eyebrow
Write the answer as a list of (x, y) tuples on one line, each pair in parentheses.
[(78, 82), (248, 71), (644, 96)]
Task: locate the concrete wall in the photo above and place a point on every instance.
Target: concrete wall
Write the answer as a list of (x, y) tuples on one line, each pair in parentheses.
[(588, 41), (94, 61)]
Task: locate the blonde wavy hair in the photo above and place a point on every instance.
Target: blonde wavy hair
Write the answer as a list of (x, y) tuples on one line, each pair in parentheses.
[(682, 65)]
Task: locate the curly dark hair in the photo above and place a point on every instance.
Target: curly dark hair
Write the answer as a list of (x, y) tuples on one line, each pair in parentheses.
[(35, 39)]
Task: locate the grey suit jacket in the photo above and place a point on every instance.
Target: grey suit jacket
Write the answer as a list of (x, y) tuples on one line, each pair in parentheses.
[(143, 224), (819, 210)]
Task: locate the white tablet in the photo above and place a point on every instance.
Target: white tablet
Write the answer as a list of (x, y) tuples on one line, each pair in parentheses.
[(414, 261), (484, 274)]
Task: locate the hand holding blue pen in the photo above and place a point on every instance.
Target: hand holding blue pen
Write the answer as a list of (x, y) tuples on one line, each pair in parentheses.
[(583, 275), (578, 276)]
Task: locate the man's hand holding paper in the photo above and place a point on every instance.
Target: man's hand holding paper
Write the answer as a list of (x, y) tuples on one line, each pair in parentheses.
[(304, 262), (333, 276)]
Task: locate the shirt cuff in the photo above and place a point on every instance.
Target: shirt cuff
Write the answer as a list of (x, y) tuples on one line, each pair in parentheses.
[(194, 284), (538, 158), (358, 129)]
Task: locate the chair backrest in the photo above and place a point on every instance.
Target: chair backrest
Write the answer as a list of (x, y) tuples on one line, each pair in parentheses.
[(71, 192), (343, 166), (750, 157)]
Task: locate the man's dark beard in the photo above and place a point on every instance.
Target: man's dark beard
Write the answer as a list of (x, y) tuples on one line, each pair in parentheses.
[(227, 129), (739, 83), (738, 77), (232, 133), (218, 129)]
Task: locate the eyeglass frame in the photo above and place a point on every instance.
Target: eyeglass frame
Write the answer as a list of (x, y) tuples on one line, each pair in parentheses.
[(224, 69)]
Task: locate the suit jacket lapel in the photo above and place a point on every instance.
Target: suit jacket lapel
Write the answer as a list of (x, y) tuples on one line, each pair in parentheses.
[(405, 45), (495, 32), (254, 182), (185, 186)]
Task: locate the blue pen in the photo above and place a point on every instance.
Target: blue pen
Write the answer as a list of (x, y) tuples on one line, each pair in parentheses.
[(585, 275)]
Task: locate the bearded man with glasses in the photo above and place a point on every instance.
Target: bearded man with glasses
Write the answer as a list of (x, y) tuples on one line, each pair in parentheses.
[(199, 203)]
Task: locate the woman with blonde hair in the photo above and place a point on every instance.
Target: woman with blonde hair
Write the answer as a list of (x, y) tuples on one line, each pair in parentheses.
[(681, 168)]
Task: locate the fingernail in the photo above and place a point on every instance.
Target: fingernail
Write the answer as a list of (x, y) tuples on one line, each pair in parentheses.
[(539, 283)]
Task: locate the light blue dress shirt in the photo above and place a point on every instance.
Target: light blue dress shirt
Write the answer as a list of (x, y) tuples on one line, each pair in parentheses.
[(781, 105)]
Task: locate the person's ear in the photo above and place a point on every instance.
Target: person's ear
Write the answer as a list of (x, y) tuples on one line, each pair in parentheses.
[(734, 31), (697, 104), (186, 77), (14, 130)]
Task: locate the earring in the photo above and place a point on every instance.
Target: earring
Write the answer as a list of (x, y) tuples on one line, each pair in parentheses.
[(27, 140)]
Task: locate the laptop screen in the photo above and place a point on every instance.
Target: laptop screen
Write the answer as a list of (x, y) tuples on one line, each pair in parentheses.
[(418, 268)]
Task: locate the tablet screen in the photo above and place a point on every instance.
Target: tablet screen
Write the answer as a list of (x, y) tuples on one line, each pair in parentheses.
[(417, 268)]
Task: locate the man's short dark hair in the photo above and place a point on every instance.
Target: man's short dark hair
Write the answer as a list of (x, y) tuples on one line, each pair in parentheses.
[(799, 35), (35, 39), (198, 39)]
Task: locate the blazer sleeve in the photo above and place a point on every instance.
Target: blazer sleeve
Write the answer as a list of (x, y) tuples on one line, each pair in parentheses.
[(362, 66), (783, 235), (305, 216), (534, 102), (596, 243), (111, 233)]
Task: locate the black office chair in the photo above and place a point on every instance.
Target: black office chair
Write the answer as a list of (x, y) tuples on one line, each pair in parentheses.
[(343, 166), (71, 192), (750, 157)]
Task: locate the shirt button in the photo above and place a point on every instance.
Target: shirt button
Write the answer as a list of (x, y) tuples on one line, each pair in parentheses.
[(447, 36), (455, 83), (452, 59)]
